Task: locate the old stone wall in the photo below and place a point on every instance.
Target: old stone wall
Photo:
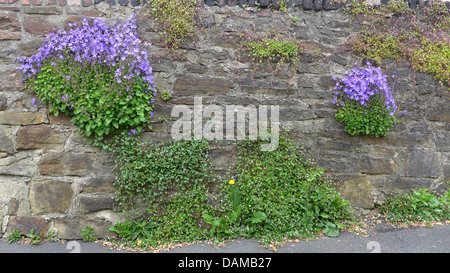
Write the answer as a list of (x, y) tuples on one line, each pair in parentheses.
[(50, 178)]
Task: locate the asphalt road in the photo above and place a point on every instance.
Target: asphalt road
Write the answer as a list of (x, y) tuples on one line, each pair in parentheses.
[(381, 238)]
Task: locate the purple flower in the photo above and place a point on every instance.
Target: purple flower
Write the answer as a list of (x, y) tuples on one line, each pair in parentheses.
[(364, 84)]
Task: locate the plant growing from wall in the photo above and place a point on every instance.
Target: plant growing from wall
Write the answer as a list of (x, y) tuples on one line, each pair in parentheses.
[(285, 195), (423, 40), (97, 74), (175, 20), (275, 195), (164, 185), (364, 102), (273, 48), (422, 205)]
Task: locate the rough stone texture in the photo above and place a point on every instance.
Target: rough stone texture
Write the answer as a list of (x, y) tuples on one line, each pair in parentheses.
[(99, 185), (49, 196), (6, 140), (423, 164), (60, 164), (41, 154), (10, 79), (38, 25), (15, 187), (9, 26), (96, 202), (43, 10), (194, 86), (25, 224), (39, 137), (358, 192), (70, 227), (30, 47), (20, 118), (20, 165)]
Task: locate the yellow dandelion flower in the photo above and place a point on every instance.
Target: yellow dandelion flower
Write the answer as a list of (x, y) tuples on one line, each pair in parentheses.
[(231, 182)]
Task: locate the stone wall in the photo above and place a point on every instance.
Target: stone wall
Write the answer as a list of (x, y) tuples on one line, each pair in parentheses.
[(50, 178)]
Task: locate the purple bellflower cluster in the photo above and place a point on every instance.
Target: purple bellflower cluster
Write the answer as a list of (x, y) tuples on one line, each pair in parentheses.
[(96, 43), (361, 84), (98, 73)]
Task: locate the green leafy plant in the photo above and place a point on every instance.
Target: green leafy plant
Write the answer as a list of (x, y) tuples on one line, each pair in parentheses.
[(357, 7), (364, 101), (133, 231), (273, 48), (162, 184), (420, 40), (285, 194), (175, 20), (422, 205), (105, 86), (88, 234), (14, 236), (35, 238), (166, 96)]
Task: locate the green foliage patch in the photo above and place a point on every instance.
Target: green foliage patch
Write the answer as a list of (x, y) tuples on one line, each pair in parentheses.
[(175, 20), (273, 48), (166, 191), (420, 38), (422, 205)]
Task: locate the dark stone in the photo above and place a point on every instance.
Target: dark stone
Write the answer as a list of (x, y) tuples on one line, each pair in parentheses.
[(3, 103), (264, 3), (6, 140), (423, 164), (123, 2), (196, 68), (111, 2), (97, 202), (187, 86), (25, 224), (135, 3), (308, 4), (30, 47), (99, 184), (317, 4), (291, 113), (369, 165), (210, 2), (326, 82)]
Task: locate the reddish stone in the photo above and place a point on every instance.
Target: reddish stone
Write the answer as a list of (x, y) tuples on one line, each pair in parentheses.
[(4, 35), (38, 26), (25, 224)]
